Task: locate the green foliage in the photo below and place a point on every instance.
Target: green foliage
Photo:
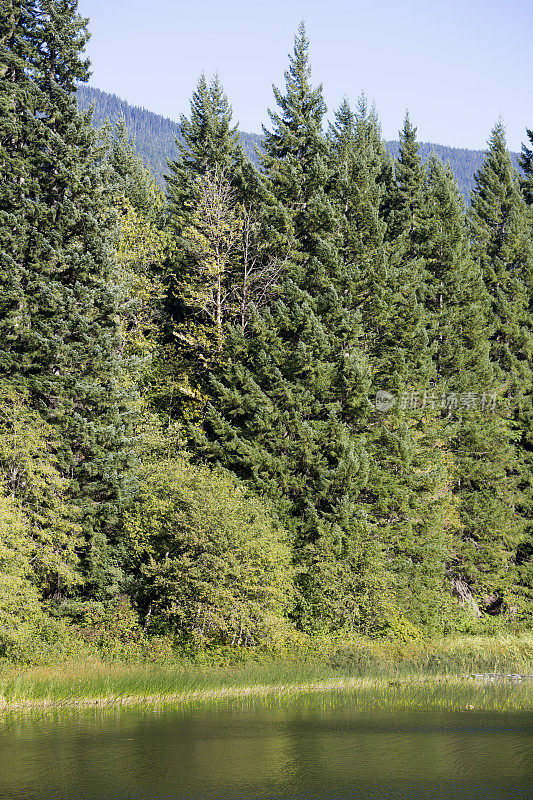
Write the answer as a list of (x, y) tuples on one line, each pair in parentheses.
[(501, 237), (59, 332), (404, 498), (112, 630), (252, 315), (502, 242), (404, 203), (140, 251), (38, 532), (210, 244), (20, 611), (201, 187), (212, 567), (30, 476), (155, 138), (526, 163), (28, 634), (132, 179), (286, 402), (210, 144), (480, 442)]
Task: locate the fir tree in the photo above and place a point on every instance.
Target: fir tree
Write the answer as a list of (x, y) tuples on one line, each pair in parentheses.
[(404, 201), (132, 178), (500, 227), (209, 151), (525, 549), (291, 395), (385, 285), (59, 331), (477, 439), (210, 143), (19, 97), (526, 162)]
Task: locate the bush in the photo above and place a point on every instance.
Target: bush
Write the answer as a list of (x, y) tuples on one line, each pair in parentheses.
[(214, 568), (20, 611), (112, 631)]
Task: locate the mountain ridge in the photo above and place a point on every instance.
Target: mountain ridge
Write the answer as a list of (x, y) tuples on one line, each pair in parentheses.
[(155, 138)]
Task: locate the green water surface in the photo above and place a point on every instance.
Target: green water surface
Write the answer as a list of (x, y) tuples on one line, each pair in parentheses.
[(317, 748)]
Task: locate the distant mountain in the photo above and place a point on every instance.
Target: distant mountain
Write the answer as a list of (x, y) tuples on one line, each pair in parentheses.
[(155, 138), (464, 163)]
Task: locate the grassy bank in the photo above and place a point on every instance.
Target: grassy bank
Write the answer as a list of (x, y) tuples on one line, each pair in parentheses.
[(318, 668), (445, 693)]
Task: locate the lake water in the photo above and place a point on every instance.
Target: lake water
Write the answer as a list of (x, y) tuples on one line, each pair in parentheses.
[(312, 748)]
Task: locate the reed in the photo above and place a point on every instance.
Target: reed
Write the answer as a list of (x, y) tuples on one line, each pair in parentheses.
[(324, 668)]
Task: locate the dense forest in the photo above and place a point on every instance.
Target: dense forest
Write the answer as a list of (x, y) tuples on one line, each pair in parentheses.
[(267, 404), (155, 139)]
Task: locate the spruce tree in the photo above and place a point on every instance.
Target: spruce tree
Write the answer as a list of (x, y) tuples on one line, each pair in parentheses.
[(210, 143), (526, 162), (19, 97), (140, 245), (210, 151), (289, 401), (477, 439), (525, 550), (403, 203), (385, 285), (132, 179), (500, 228), (60, 339)]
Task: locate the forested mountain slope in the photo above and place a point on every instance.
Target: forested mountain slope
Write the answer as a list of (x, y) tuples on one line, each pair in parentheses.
[(154, 135), (155, 138)]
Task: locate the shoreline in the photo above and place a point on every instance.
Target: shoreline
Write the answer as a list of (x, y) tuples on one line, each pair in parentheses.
[(182, 698)]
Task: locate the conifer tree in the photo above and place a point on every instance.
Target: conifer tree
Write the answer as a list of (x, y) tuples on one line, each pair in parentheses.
[(526, 162), (477, 439), (398, 320), (456, 296), (19, 97), (210, 148), (525, 550), (210, 143), (132, 178), (500, 227), (385, 285), (140, 244), (403, 203), (59, 334), (289, 400)]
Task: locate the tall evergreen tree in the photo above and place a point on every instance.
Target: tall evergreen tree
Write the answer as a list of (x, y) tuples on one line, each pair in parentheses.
[(476, 437), (59, 333), (385, 286), (210, 152), (500, 226), (289, 400), (403, 203), (140, 245), (19, 97), (132, 178), (210, 143), (526, 162)]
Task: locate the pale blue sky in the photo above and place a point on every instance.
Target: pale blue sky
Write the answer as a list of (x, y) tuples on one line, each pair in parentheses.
[(457, 66)]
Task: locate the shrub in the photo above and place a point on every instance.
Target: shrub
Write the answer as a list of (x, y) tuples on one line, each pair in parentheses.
[(20, 611), (214, 567)]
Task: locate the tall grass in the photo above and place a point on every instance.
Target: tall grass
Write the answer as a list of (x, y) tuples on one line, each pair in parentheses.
[(450, 655), (382, 663)]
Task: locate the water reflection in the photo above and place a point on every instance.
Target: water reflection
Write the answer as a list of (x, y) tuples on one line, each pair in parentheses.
[(306, 750)]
